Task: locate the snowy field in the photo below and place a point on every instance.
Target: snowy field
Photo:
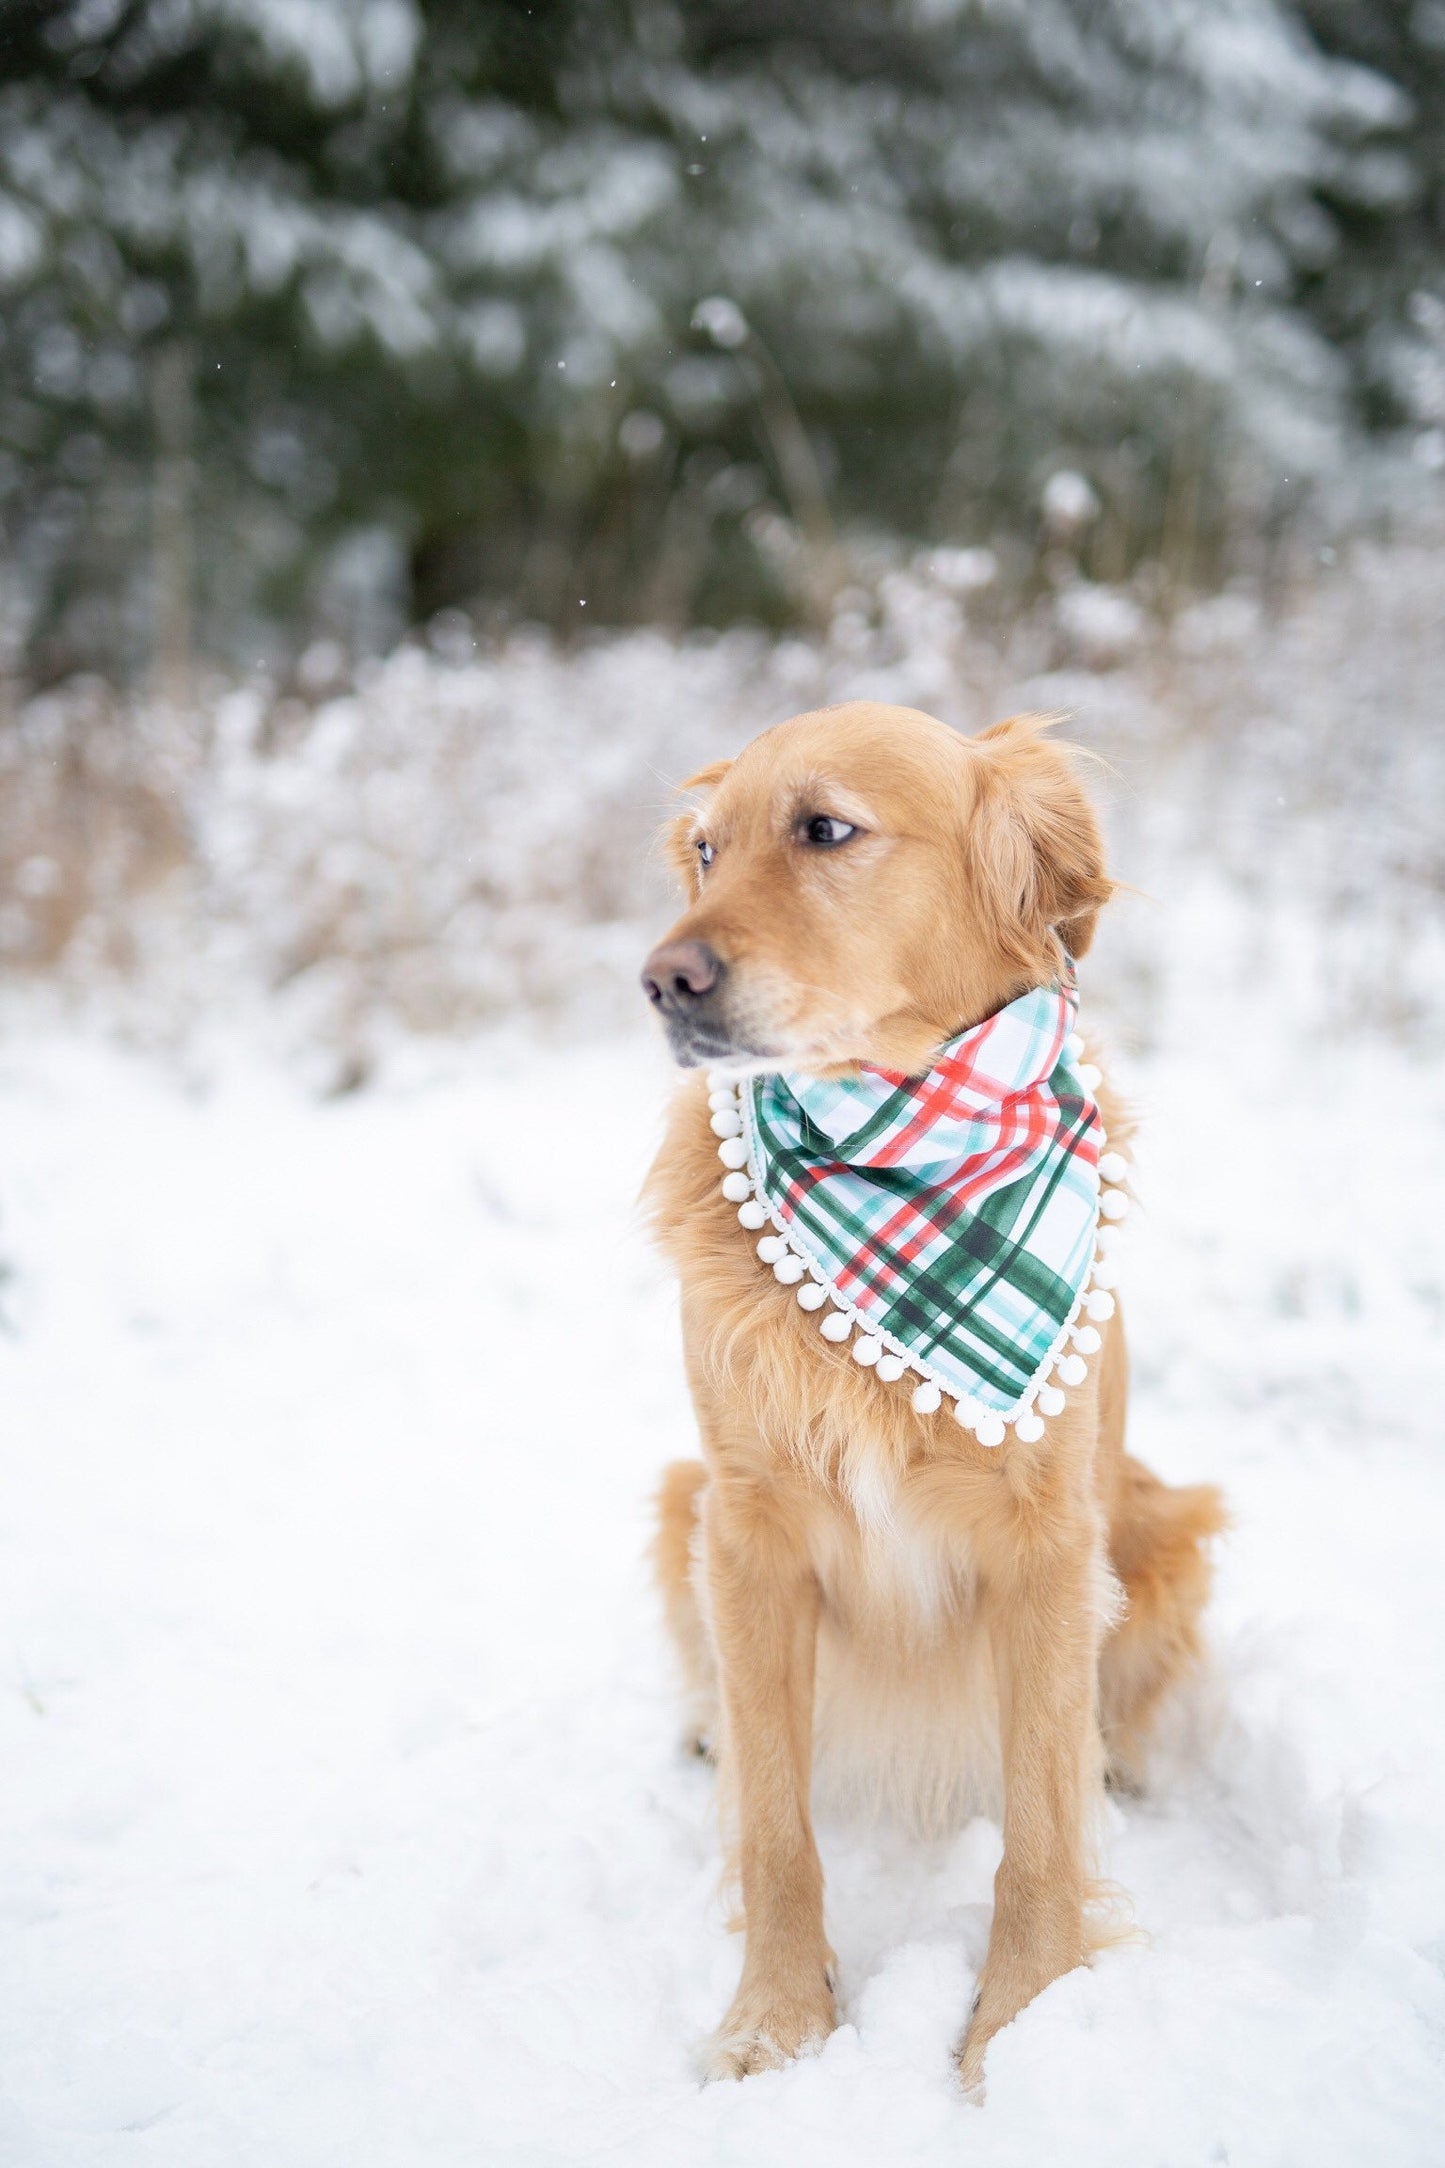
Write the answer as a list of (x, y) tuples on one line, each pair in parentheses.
[(343, 1823)]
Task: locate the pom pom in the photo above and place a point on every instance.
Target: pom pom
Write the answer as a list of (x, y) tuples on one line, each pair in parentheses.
[(836, 1326), (1049, 1400), (1072, 1369), (717, 1080), (1029, 1428), (1113, 1204), (789, 1270), (1105, 1272), (1107, 1238), (723, 1097), (967, 1413), (771, 1248), (926, 1398), (753, 1216), (867, 1350), (1099, 1304), (1073, 1046), (891, 1368), (1113, 1167), (811, 1296), (733, 1153), (727, 1122), (1090, 1077), (736, 1187), (1086, 1339), (990, 1431)]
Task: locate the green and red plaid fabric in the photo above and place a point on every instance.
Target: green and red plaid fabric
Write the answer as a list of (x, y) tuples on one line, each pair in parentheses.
[(953, 1213)]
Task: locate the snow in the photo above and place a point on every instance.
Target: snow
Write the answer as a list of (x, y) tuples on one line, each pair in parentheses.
[(344, 1819)]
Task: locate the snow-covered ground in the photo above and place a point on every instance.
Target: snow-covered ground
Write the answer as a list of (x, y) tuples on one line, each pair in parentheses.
[(342, 1819)]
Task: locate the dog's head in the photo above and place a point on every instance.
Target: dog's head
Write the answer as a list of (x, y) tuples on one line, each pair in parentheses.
[(863, 883)]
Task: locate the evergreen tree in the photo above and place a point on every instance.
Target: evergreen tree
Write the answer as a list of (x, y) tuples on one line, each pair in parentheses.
[(1380, 295), (341, 311)]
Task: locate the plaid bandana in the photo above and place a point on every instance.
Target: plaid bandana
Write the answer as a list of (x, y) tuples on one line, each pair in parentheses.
[(952, 1217)]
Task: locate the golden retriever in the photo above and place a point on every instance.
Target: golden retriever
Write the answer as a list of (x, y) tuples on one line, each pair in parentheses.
[(846, 1580)]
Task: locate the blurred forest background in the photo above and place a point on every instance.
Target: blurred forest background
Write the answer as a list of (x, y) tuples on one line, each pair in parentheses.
[(427, 427)]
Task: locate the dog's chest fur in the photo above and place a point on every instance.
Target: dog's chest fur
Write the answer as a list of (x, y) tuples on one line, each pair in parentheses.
[(885, 1564)]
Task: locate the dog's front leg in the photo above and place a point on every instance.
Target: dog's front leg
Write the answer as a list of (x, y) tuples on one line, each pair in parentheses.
[(764, 1612), (1045, 1623)]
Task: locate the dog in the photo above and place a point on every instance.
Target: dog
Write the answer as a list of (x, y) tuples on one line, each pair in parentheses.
[(848, 1580)]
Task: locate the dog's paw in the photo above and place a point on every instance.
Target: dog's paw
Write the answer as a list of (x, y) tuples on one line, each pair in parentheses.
[(742, 2054), (765, 2032), (969, 2061)]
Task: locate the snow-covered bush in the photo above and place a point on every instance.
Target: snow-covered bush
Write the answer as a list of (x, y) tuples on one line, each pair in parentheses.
[(463, 833)]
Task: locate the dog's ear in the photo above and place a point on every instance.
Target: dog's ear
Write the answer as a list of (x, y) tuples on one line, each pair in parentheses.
[(1036, 852), (677, 835)]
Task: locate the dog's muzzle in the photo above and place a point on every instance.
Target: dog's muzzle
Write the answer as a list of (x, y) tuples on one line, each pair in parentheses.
[(687, 984)]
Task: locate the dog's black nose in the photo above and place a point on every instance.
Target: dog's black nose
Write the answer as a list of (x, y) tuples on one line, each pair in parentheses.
[(679, 975)]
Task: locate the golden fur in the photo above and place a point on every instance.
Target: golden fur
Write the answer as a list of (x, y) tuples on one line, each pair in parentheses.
[(846, 1581)]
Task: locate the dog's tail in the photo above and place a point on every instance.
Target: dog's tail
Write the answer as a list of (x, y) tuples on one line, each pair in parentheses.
[(1159, 1546)]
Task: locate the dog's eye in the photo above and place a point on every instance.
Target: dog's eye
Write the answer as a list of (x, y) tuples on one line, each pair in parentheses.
[(824, 831), (704, 850)]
